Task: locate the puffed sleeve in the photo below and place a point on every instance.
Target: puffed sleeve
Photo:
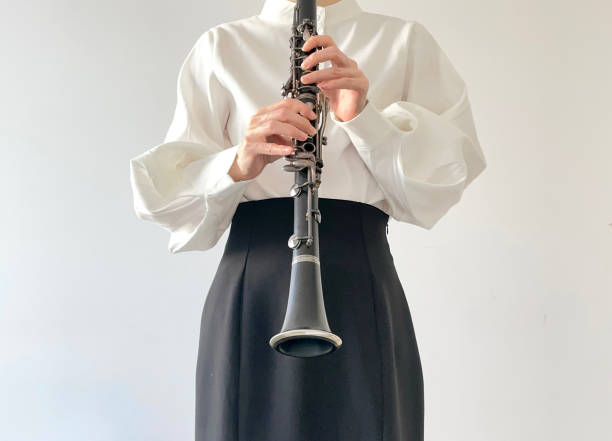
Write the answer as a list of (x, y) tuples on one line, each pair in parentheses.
[(422, 150), (183, 183)]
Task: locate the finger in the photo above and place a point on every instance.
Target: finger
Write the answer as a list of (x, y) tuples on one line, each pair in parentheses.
[(328, 74), (298, 106), (331, 53), (343, 83), (269, 148), (289, 116), (291, 103), (320, 40), (278, 139), (272, 127)]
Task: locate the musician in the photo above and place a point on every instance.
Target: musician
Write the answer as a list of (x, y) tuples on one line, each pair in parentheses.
[(401, 144)]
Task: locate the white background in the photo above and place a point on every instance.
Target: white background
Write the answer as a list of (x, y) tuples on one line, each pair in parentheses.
[(510, 292)]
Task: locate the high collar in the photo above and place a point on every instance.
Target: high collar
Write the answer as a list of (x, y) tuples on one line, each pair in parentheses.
[(281, 11)]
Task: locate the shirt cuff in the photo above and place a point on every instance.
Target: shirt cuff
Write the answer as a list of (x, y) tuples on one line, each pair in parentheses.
[(224, 184), (369, 129)]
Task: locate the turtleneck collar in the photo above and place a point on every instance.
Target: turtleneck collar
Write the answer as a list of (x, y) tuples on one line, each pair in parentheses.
[(281, 11)]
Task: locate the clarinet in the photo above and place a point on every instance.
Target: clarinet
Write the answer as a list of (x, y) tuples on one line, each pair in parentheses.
[(305, 331)]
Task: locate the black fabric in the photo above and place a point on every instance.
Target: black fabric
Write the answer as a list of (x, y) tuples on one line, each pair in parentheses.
[(370, 389)]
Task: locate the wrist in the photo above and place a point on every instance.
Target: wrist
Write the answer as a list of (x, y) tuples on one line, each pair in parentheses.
[(360, 106), (235, 172)]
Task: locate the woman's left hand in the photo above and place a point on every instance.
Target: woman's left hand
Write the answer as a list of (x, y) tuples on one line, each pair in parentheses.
[(343, 83)]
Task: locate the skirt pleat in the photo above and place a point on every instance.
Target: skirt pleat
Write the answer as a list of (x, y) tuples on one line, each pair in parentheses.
[(370, 389)]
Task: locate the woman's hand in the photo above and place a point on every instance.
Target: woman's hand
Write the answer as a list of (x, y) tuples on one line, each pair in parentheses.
[(343, 83), (268, 136)]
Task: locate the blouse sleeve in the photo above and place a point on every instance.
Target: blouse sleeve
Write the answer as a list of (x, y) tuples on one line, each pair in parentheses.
[(183, 183), (423, 149)]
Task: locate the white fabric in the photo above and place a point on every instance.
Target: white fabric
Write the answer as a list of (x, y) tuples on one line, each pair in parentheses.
[(411, 151)]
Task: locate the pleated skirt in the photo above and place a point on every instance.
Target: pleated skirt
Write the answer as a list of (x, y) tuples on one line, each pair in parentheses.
[(370, 389)]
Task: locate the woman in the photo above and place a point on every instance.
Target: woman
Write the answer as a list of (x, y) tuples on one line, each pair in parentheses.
[(401, 144)]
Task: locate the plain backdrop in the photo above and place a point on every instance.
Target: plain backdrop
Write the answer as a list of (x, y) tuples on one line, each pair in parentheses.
[(510, 292)]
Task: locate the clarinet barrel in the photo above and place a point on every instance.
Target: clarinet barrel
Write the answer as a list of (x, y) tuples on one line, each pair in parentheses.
[(305, 331)]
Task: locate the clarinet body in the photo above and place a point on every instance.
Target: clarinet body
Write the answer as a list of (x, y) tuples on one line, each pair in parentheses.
[(305, 331)]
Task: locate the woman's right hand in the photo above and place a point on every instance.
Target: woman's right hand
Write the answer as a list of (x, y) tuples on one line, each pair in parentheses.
[(268, 136)]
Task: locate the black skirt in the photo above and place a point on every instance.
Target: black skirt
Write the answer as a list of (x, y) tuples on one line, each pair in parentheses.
[(370, 389)]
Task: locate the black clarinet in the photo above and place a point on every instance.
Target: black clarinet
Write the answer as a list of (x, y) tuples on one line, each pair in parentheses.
[(305, 331)]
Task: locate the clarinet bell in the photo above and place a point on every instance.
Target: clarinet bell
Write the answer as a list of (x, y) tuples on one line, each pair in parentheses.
[(305, 331), (305, 343)]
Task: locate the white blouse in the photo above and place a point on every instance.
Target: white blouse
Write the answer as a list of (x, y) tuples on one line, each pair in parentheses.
[(411, 151)]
